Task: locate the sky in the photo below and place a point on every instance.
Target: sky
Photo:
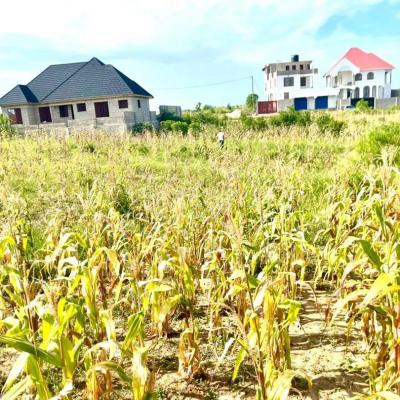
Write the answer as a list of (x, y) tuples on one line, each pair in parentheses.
[(169, 46)]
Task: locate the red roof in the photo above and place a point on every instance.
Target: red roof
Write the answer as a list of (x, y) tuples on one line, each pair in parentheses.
[(364, 61)]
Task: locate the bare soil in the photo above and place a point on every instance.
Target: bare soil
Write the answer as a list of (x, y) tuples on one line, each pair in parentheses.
[(324, 353)]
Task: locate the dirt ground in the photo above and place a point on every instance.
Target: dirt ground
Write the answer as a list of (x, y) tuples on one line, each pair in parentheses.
[(320, 351)]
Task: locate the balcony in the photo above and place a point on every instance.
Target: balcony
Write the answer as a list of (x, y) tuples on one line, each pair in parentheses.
[(298, 72)]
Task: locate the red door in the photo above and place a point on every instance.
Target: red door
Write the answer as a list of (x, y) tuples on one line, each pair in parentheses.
[(45, 114), (101, 109)]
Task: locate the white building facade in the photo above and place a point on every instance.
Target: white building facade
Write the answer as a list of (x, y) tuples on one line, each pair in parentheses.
[(286, 80), (360, 75)]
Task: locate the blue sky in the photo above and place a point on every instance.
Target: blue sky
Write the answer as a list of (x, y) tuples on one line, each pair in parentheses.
[(178, 43)]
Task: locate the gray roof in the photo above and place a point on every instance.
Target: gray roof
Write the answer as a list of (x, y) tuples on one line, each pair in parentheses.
[(74, 82)]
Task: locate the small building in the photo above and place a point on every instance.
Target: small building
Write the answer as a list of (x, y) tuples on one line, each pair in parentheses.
[(283, 79), (174, 110), (79, 95), (360, 75)]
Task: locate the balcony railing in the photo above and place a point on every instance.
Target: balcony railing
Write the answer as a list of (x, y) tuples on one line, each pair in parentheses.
[(298, 72)]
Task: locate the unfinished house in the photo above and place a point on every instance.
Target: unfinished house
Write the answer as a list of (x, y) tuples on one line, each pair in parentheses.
[(83, 95)]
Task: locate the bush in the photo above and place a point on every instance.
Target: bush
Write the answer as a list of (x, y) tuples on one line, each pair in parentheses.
[(254, 123), (195, 129), (6, 128), (379, 138), (363, 106), (122, 201), (291, 117), (180, 127), (326, 123), (142, 127), (168, 116), (166, 126)]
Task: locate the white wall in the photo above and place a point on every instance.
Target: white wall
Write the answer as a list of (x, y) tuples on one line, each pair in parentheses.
[(346, 71), (276, 90)]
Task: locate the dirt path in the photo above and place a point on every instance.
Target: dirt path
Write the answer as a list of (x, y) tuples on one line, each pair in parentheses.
[(322, 353)]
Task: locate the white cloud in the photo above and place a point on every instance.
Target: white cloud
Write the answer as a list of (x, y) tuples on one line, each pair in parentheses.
[(181, 42), (179, 24)]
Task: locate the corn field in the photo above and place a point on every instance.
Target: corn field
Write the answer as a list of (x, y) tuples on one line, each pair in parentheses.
[(165, 267)]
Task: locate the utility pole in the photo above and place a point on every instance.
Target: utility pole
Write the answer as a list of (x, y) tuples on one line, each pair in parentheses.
[(252, 93)]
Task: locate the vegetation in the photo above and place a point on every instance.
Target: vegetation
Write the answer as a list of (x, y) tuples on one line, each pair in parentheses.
[(251, 102), (6, 129), (127, 261)]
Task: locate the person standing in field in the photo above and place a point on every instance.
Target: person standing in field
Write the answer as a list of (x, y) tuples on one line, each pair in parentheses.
[(221, 138)]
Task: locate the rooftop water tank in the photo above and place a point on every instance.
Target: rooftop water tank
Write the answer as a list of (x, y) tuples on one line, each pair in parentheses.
[(295, 58)]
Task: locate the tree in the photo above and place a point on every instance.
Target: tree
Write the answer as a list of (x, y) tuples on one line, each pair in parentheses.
[(251, 101)]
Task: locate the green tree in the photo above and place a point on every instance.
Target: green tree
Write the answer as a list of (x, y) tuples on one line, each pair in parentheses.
[(251, 101)]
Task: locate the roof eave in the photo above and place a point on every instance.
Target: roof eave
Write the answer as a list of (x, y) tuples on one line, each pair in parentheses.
[(81, 99)]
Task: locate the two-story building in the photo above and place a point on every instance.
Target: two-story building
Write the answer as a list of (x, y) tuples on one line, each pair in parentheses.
[(360, 75)]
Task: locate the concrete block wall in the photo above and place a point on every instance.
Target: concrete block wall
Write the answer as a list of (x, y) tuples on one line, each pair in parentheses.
[(283, 105), (119, 119), (387, 103)]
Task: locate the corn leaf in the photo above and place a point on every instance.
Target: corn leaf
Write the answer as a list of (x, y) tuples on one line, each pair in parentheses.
[(27, 347)]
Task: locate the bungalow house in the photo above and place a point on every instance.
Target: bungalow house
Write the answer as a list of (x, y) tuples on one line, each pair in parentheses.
[(79, 95), (360, 75)]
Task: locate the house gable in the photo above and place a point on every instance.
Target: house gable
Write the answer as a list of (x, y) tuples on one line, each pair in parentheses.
[(362, 61)]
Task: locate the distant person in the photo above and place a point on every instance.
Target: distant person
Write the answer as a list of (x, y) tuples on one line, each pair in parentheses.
[(221, 138)]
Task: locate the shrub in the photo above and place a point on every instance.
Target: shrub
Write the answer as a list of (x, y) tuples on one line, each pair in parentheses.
[(6, 128), (326, 123), (180, 127), (168, 116), (379, 138), (166, 126), (291, 117), (142, 127), (195, 129), (363, 106), (122, 201)]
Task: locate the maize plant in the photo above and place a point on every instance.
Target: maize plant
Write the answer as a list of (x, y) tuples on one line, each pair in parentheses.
[(157, 266)]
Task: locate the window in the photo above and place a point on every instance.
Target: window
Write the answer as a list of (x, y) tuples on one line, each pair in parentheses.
[(303, 81), (101, 109), (289, 81), (286, 95), (293, 67), (373, 91), (366, 92), (301, 67), (370, 75), (63, 111), (287, 68), (357, 93), (15, 116), (358, 77), (81, 107), (123, 103), (139, 104), (45, 114)]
